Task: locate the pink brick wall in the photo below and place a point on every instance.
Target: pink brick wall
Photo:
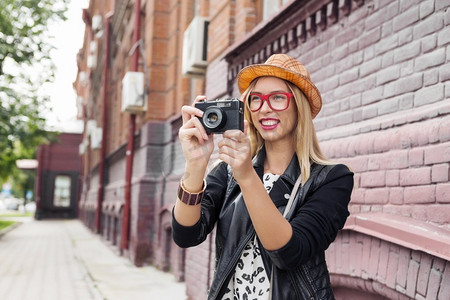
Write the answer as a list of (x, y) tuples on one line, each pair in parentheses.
[(392, 271), (406, 166)]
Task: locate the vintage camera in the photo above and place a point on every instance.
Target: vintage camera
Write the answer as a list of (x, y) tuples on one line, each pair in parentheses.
[(222, 115)]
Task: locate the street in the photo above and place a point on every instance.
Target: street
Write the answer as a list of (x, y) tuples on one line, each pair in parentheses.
[(62, 259)]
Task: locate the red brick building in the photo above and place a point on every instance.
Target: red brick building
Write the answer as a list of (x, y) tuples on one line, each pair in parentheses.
[(57, 177), (383, 70)]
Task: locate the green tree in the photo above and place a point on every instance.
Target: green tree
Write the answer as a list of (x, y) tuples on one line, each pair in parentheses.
[(25, 64)]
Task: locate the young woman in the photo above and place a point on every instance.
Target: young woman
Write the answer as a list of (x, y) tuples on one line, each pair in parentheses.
[(261, 253)]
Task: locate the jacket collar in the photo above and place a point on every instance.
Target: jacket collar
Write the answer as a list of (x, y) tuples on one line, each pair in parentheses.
[(290, 174)]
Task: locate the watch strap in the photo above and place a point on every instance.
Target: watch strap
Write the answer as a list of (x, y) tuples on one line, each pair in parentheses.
[(190, 198)]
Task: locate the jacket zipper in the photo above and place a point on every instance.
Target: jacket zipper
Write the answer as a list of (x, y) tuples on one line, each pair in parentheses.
[(233, 262), (305, 283)]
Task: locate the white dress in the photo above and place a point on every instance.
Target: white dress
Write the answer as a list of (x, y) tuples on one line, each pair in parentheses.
[(250, 280)]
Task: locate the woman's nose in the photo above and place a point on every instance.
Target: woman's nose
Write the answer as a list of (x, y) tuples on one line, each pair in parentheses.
[(265, 106)]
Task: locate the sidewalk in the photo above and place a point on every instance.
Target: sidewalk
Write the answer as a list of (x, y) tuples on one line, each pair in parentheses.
[(61, 259)]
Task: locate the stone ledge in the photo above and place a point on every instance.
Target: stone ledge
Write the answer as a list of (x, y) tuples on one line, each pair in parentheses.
[(407, 232), (350, 287)]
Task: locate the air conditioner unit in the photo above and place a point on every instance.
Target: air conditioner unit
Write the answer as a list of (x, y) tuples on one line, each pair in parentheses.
[(93, 47), (80, 106), (92, 61), (83, 77), (195, 48), (133, 96), (83, 147), (96, 138), (90, 127), (92, 55), (97, 22)]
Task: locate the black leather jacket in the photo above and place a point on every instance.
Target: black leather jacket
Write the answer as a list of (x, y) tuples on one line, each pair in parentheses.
[(300, 271)]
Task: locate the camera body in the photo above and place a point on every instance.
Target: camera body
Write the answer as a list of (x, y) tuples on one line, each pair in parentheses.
[(221, 115)]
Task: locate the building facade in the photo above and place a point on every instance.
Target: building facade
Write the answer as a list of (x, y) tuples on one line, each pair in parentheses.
[(383, 70), (57, 186)]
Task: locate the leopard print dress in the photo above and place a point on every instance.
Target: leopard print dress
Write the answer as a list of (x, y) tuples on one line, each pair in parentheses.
[(250, 280)]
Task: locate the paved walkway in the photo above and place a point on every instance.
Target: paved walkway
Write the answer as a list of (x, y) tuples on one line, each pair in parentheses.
[(61, 259)]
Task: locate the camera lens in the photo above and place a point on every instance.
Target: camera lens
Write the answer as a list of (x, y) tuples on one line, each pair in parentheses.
[(213, 117)]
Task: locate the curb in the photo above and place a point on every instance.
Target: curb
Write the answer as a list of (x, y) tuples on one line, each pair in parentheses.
[(9, 228)]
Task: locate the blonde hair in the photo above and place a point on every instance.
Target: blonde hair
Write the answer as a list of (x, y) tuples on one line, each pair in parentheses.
[(307, 145)]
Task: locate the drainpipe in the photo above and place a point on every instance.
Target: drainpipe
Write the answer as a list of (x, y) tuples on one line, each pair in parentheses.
[(38, 182), (101, 176), (80, 183), (125, 236), (87, 176)]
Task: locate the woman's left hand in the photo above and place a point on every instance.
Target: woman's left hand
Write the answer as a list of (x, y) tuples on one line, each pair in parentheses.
[(234, 149)]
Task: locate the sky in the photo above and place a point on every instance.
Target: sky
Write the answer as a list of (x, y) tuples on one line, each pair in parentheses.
[(68, 39)]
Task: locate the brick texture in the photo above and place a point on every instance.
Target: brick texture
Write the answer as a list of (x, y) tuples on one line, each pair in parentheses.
[(382, 69), (400, 272)]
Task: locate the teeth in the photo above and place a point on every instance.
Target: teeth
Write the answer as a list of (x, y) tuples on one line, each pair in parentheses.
[(269, 122)]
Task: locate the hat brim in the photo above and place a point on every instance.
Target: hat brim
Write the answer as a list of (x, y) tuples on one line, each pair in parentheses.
[(250, 73)]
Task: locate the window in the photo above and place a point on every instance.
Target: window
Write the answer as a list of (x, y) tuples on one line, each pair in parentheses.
[(272, 6), (61, 192)]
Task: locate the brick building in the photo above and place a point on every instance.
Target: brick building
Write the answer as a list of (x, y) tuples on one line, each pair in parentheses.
[(383, 70), (57, 177)]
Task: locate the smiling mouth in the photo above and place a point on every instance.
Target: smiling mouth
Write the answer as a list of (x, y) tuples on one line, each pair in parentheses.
[(269, 122)]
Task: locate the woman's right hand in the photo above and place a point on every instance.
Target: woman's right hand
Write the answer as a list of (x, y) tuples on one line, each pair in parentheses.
[(197, 146)]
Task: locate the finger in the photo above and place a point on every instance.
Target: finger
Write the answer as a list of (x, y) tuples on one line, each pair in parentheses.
[(199, 98), (223, 157), (228, 153), (200, 127), (226, 143), (184, 114), (188, 112), (238, 141), (245, 127), (234, 149), (195, 122), (231, 156), (235, 134), (189, 133)]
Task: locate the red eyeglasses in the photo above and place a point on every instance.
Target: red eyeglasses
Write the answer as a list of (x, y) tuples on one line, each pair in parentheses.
[(277, 101)]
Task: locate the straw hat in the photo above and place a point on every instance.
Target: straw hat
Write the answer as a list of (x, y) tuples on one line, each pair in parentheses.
[(285, 67)]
